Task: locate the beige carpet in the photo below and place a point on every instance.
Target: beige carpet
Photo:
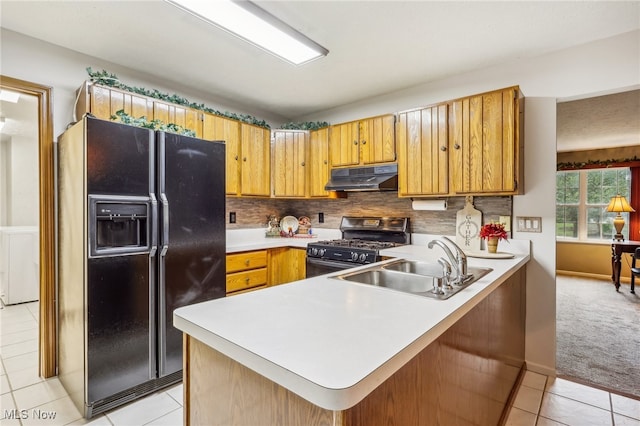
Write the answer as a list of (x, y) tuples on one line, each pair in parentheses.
[(598, 334)]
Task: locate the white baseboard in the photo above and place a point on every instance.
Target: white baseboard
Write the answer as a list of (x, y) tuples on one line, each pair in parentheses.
[(623, 280), (540, 369)]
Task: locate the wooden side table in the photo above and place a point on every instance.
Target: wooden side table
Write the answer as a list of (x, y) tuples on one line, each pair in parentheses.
[(617, 248)]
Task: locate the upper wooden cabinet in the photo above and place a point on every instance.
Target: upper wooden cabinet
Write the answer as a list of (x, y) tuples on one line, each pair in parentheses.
[(486, 143), (189, 118), (216, 128), (318, 162), (103, 102), (470, 146), (423, 160), (255, 170), (367, 141), (289, 149)]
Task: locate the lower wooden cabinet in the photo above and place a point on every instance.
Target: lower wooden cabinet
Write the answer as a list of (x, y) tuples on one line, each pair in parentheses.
[(287, 264), (246, 271), (253, 270)]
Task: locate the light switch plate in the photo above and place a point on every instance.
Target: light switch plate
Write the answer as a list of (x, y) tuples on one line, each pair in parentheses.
[(529, 223)]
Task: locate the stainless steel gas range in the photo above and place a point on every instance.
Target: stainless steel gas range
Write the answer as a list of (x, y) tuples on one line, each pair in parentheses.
[(362, 240)]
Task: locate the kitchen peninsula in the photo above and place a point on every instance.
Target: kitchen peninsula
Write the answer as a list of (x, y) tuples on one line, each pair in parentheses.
[(326, 351)]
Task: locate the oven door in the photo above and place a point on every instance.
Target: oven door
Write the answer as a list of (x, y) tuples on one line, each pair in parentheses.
[(316, 267)]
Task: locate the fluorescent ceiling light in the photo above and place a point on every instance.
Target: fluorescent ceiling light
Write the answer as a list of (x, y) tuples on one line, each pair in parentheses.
[(9, 96), (253, 24)]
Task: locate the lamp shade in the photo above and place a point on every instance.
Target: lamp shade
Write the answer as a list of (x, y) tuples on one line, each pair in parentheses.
[(619, 204)]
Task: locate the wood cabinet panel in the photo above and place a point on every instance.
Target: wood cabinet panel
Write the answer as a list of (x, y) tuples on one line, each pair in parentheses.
[(248, 398), (318, 162), (287, 264), (486, 142), (289, 163), (246, 270), (344, 144), (367, 141), (246, 260), (422, 142), (377, 139), (255, 170), (246, 279), (104, 102), (188, 118), (217, 128)]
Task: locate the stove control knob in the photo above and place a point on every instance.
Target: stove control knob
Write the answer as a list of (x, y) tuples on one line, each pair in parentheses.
[(354, 256), (321, 252), (314, 251), (363, 257)]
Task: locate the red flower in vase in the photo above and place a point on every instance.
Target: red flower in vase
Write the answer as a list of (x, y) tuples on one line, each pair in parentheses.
[(493, 230)]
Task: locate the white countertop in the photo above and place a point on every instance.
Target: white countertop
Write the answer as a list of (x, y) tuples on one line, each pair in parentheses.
[(333, 342), (254, 239)]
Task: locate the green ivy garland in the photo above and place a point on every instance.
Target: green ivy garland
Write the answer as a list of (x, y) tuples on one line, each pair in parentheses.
[(306, 125), (109, 79), (595, 163), (125, 118)]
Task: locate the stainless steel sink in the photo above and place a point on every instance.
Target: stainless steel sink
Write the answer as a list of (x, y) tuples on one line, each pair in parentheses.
[(420, 278)]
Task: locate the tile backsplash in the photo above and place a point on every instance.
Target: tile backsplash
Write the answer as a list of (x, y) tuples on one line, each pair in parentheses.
[(253, 212)]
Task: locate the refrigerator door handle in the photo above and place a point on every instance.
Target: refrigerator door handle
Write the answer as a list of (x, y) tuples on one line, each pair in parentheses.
[(165, 223), (154, 226)]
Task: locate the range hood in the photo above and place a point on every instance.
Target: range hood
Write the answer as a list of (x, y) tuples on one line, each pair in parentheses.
[(377, 178)]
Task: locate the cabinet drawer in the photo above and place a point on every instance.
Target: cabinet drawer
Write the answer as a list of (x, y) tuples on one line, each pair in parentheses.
[(246, 280), (245, 261)]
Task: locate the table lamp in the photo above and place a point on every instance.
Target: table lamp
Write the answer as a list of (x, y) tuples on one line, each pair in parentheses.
[(619, 204)]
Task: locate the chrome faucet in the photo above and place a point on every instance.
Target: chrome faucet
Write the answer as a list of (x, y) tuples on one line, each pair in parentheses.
[(460, 260), (446, 271)]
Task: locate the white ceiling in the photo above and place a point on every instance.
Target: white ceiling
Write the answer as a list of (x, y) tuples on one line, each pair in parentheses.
[(376, 47), (599, 122)]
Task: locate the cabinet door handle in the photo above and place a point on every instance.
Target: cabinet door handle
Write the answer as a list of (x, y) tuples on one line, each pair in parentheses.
[(302, 164), (326, 162), (364, 142), (456, 146), (443, 148), (244, 159), (355, 142), (246, 262), (247, 280), (236, 158)]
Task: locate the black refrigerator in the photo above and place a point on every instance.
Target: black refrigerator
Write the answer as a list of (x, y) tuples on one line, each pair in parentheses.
[(141, 232)]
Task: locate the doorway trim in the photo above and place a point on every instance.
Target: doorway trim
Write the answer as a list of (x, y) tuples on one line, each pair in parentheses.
[(47, 341)]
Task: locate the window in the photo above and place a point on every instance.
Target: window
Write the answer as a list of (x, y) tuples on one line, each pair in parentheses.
[(581, 202)]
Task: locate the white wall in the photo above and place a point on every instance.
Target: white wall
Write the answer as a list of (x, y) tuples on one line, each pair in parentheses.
[(540, 200)]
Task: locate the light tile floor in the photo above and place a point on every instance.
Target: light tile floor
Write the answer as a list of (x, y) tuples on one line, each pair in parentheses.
[(46, 402), (549, 401), (541, 400)]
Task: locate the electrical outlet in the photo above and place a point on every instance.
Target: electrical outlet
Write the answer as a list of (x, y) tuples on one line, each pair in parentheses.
[(232, 217), (320, 217), (506, 221)]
